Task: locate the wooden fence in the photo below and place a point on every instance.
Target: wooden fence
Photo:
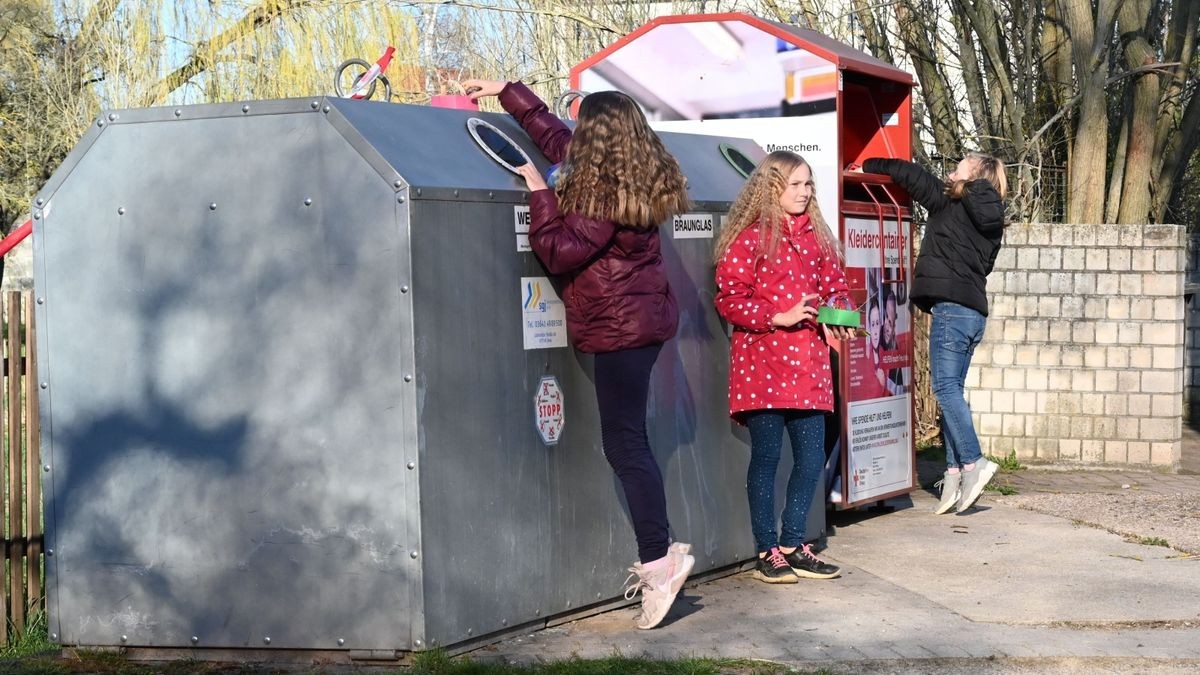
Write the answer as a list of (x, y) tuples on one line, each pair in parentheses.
[(21, 588)]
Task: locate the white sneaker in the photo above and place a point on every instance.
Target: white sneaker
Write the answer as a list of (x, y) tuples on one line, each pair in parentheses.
[(658, 587), (950, 492), (682, 564), (974, 481)]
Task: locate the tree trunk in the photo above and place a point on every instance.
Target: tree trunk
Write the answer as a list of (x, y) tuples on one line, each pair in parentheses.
[(877, 39), (934, 86), (1085, 187), (205, 53), (972, 76), (1134, 18)]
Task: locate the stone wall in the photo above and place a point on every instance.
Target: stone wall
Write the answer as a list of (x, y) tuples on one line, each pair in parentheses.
[(1083, 357)]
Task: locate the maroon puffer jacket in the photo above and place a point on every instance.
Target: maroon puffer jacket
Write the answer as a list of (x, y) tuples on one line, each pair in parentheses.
[(617, 295)]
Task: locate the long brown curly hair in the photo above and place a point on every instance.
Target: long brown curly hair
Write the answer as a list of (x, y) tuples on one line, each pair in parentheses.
[(617, 168), (758, 202)]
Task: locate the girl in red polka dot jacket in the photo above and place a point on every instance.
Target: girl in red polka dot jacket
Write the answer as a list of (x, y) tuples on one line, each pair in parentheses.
[(777, 262)]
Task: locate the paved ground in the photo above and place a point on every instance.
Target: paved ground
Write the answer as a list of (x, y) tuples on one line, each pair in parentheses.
[(1062, 577)]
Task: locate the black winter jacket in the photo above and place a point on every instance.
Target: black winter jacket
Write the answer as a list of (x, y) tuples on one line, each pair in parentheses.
[(962, 237)]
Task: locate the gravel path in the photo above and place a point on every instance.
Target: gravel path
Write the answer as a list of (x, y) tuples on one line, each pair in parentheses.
[(1174, 518)]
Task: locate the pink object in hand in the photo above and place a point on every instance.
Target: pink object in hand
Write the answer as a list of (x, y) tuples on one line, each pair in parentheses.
[(455, 101)]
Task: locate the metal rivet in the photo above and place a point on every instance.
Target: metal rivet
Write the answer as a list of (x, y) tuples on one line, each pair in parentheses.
[(537, 612), (308, 201), (418, 192), (503, 622), (597, 596), (44, 385), (195, 639), (113, 117), (49, 551), (124, 638), (413, 555), (341, 641), (404, 289), (40, 201), (212, 206), (417, 643), (100, 123), (54, 636), (400, 199), (245, 108), (491, 195), (568, 604), (408, 378), (46, 468), (121, 211), (398, 184), (325, 109), (315, 104), (456, 193), (266, 641), (412, 465), (178, 112), (470, 631), (37, 216), (41, 301)]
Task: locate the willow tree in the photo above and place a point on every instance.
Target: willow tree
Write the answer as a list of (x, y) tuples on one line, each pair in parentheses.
[(63, 62)]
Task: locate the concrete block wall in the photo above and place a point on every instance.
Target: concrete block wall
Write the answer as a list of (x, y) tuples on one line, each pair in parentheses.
[(1084, 351)]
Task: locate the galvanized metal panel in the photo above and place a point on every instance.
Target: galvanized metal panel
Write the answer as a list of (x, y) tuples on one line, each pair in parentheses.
[(430, 147), (238, 456), (514, 530), (453, 160), (223, 367)]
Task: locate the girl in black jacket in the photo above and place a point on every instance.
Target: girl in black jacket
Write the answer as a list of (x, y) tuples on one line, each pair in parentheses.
[(962, 237)]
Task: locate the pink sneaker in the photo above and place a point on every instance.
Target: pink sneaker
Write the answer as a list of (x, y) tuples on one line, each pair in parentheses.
[(658, 586)]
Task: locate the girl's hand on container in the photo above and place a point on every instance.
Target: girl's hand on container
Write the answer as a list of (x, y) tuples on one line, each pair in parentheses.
[(477, 89), (533, 177), (838, 332), (800, 312)]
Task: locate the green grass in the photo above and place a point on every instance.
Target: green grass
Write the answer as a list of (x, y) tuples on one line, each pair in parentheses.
[(1001, 488), (426, 663), (437, 663), (1150, 541), (33, 640), (1008, 463)]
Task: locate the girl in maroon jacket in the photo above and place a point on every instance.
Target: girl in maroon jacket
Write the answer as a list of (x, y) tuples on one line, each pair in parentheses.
[(599, 229), (777, 261)]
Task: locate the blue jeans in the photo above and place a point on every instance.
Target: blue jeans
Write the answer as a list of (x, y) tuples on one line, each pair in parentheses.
[(807, 431), (953, 336)]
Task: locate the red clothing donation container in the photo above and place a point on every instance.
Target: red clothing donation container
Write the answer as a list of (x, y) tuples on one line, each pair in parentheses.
[(790, 88)]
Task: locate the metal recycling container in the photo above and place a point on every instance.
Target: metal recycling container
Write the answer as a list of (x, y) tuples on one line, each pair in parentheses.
[(302, 389)]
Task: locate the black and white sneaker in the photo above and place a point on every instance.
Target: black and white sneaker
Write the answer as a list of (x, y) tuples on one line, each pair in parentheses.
[(774, 569), (806, 564)]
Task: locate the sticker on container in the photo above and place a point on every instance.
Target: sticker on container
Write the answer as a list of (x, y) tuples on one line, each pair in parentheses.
[(548, 410), (543, 316), (521, 221), (693, 226), (890, 119)]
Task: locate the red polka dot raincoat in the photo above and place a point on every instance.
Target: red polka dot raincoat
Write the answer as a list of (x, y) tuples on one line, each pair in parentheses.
[(769, 366)]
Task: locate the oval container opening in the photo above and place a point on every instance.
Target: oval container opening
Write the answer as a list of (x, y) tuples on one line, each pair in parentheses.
[(497, 145), (738, 160)]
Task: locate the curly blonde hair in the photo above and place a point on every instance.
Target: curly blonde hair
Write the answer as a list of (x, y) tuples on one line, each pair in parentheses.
[(758, 202), (617, 168)]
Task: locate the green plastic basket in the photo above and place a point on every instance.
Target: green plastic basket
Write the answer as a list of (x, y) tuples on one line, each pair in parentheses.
[(839, 317)]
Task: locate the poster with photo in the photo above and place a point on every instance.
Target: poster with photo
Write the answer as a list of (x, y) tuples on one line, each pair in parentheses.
[(879, 377), (880, 362)]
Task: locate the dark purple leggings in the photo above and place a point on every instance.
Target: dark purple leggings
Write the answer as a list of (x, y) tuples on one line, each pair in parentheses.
[(622, 387)]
